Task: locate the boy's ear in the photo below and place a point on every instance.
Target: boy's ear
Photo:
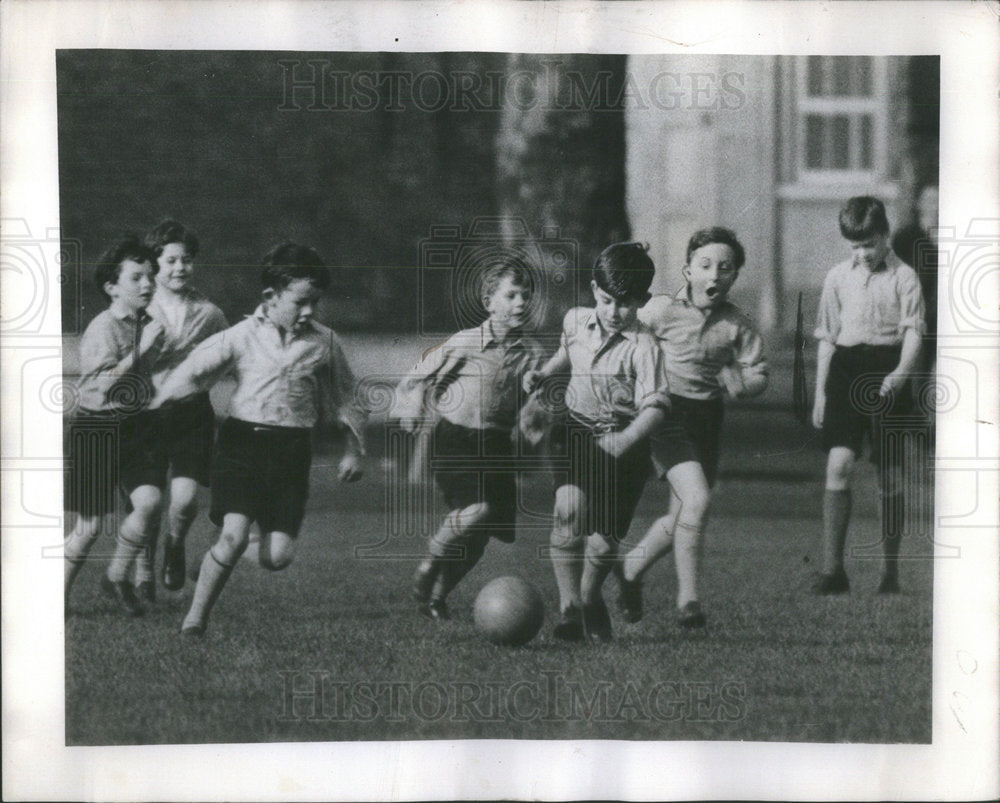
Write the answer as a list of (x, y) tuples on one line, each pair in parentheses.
[(108, 287), (269, 294), (686, 272)]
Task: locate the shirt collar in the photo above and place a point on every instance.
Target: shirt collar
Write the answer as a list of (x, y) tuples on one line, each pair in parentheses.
[(125, 315), (683, 295), (487, 335), (591, 323), (261, 318)]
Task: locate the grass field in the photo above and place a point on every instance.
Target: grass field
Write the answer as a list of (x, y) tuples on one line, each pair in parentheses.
[(332, 648)]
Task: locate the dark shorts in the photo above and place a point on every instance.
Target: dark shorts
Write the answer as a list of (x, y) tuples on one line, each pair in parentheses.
[(690, 433), (187, 429), (471, 466), (854, 410), (262, 472), (611, 486), (108, 453)]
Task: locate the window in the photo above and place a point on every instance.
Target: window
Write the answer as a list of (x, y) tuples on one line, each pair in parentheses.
[(841, 117)]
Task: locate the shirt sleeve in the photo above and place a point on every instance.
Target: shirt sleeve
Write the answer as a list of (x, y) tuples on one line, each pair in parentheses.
[(338, 398), (216, 321), (912, 314), (651, 385), (750, 359), (410, 398), (828, 315), (98, 352), (204, 366)]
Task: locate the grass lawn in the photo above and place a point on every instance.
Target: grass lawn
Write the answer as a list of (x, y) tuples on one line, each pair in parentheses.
[(332, 648)]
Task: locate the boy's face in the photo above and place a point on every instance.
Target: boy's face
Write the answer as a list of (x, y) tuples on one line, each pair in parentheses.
[(292, 308), (135, 285), (870, 252), (710, 273), (615, 314), (176, 267), (508, 306)]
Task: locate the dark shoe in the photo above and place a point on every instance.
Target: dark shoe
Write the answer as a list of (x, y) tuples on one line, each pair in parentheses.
[(174, 561), (436, 609), (193, 631), (570, 625), (835, 583), (889, 585), (423, 583), (596, 622), (123, 593), (630, 599), (146, 591), (691, 616)]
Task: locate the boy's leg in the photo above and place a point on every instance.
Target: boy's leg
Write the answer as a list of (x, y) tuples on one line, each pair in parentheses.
[(275, 550), (447, 552), (180, 515), (77, 546), (133, 535), (688, 481), (216, 567), (836, 518), (566, 551), (891, 501), (600, 554)]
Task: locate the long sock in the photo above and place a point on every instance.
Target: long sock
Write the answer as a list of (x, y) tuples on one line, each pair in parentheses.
[(180, 523), (836, 516), (687, 556), (145, 561), (567, 565), (211, 579), (595, 571), (453, 570), (656, 543), (75, 552), (892, 531), (129, 544)]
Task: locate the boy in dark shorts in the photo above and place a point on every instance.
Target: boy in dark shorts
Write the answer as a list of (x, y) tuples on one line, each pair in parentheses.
[(187, 427), (112, 444), (471, 385), (290, 374), (710, 349), (869, 327), (616, 398)]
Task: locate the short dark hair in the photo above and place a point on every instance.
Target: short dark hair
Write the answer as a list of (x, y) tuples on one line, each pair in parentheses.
[(109, 264), (625, 271), (717, 234), (171, 231), (289, 261), (862, 217), (509, 266)]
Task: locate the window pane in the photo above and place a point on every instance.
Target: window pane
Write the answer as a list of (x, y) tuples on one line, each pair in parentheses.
[(865, 161), (841, 75), (814, 142), (840, 133), (814, 75), (862, 76)]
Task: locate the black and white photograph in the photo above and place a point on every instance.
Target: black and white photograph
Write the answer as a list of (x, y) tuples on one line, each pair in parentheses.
[(525, 400)]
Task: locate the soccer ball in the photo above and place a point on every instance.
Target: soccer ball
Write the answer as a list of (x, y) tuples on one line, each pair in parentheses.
[(509, 611)]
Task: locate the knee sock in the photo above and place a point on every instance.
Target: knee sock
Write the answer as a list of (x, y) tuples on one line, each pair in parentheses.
[(180, 523), (595, 570), (75, 552), (129, 544), (146, 560), (836, 517), (211, 579), (454, 569), (687, 556), (893, 511), (656, 543), (567, 565)]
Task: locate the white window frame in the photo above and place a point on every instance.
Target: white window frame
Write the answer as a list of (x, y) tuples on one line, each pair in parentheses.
[(876, 106)]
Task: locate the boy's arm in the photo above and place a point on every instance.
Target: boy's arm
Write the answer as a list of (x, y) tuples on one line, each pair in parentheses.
[(651, 398), (824, 352), (748, 375), (908, 359), (340, 406), (203, 367), (409, 403), (558, 363), (643, 425)]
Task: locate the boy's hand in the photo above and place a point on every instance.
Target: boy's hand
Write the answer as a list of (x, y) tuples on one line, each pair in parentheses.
[(892, 383), (731, 379), (531, 380), (614, 443), (349, 468), (819, 407), (410, 425)]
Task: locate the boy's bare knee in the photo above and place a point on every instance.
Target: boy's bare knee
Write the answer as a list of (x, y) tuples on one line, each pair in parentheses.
[(566, 532), (276, 552), (598, 547), (230, 546)]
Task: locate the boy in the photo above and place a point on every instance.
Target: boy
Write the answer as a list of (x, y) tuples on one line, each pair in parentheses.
[(472, 385), (870, 322), (616, 398), (187, 427), (710, 348), (111, 440), (290, 372)]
